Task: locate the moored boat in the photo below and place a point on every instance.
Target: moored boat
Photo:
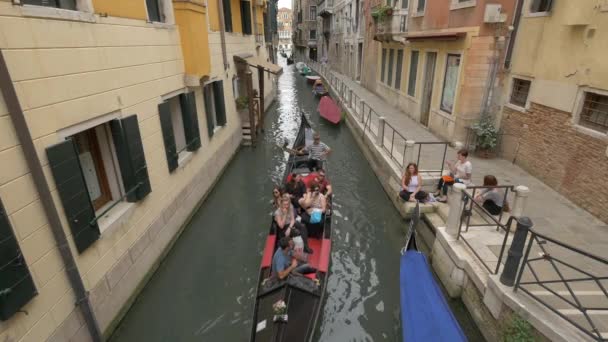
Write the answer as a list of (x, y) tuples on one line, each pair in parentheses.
[(329, 110), (312, 78), (318, 88), (302, 295), (425, 314), (289, 60)]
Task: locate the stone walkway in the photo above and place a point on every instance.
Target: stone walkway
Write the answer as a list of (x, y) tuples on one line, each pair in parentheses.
[(551, 213)]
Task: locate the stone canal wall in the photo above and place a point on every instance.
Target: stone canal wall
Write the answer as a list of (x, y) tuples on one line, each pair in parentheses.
[(491, 304)]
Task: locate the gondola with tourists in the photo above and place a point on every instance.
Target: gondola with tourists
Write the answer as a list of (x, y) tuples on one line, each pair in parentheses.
[(289, 309), (425, 314)]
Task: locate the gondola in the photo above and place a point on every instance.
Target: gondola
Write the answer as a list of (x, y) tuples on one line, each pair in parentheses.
[(329, 110), (289, 60), (425, 314), (303, 295)]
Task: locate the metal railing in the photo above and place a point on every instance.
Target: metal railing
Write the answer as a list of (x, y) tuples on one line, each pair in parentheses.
[(571, 275), (422, 159), (472, 207)]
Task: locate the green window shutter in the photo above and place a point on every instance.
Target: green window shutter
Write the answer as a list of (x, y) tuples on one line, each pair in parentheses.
[(166, 126), (130, 153), (73, 192), (190, 119), (227, 15), (246, 17), (208, 95), (16, 283), (220, 106), (153, 10)]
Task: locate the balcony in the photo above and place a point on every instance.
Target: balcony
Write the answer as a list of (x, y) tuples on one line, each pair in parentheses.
[(392, 28), (325, 8)]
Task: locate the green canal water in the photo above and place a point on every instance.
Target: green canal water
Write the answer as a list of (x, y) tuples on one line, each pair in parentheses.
[(204, 289)]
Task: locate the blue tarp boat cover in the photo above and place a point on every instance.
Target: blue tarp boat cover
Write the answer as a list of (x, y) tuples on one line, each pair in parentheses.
[(425, 314)]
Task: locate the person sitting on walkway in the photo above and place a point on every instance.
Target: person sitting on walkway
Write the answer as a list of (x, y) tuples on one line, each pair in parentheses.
[(295, 188), (283, 262), (320, 178), (286, 222), (314, 205), (492, 199), (460, 171), (317, 152), (411, 185)]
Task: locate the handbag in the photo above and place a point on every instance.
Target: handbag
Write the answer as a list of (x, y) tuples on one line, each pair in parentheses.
[(316, 216), (449, 180)]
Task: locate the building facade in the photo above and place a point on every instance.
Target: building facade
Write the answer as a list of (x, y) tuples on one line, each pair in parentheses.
[(555, 113), (344, 46), (305, 29), (285, 29), (116, 119), (439, 61)]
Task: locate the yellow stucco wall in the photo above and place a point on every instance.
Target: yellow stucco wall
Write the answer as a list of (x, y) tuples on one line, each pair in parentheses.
[(66, 73), (134, 9), (191, 19), (214, 15), (562, 51)]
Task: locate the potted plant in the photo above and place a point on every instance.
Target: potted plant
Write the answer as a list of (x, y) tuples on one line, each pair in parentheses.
[(242, 102), (487, 137), (280, 311), (380, 13)]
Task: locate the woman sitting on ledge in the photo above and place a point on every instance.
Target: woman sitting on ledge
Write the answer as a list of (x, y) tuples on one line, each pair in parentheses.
[(492, 199), (411, 185)]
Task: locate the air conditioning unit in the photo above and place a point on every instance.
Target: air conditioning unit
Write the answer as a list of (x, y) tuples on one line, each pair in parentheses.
[(493, 14)]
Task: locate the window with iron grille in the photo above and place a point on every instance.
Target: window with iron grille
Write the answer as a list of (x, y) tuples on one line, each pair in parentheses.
[(313, 34), (313, 13), (520, 91), (594, 114)]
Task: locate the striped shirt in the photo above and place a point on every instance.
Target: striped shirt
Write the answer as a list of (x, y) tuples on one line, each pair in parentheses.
[(316, 151)]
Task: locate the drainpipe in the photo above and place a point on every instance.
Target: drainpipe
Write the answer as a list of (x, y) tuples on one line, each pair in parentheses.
[(31, 157), (220, 7), (516, 20)]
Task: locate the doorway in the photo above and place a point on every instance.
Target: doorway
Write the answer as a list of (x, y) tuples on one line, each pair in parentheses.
[(359, 59), (427, 89)]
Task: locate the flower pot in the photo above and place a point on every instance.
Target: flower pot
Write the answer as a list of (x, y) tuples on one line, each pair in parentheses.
[(280, 318), (485, 153)]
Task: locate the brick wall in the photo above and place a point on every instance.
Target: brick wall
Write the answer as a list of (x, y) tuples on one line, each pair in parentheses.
[(573, 163)]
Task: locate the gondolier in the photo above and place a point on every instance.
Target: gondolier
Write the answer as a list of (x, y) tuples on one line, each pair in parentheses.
[(317, 152)]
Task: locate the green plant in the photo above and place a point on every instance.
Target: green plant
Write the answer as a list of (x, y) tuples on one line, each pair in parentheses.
[(242, 102), (487, 134), (519, 330), (380, 13)]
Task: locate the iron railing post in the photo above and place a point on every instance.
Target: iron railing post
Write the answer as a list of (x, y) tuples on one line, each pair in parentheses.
[(516, 251)]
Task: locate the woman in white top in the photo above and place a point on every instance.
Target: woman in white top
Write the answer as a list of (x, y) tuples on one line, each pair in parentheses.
[(461, 171), (411, 185)]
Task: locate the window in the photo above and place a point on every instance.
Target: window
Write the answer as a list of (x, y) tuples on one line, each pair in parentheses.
[(154, 10), (420, 6), (399, 69), (411, 83), (383, 65), (391, 59), (85, 169), (179, 125), (404, 4), (519, 92), (246, 17), (215, 106), (449, 83), (594, 113), (403, 24), (313, 34), (540, 6), (313, 13), (16, 283), (227, 15), (64, 4)]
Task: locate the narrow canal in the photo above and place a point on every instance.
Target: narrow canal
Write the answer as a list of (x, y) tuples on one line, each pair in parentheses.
[(204, 289)]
